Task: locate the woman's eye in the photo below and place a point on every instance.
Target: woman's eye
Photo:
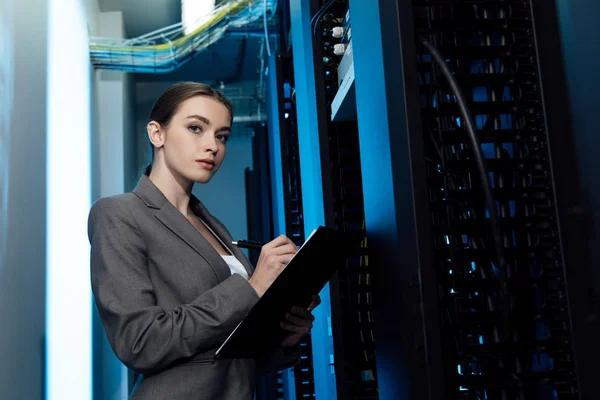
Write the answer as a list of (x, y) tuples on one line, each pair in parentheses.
[(196, 128), (223, 138)]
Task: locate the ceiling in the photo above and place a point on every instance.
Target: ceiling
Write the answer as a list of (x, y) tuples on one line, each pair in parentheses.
[(233, 59), (143, 16)]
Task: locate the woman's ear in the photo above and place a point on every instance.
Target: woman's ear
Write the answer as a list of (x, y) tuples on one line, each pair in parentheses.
[(156, 134)]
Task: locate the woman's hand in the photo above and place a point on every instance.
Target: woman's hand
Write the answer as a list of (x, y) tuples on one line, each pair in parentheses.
[(298, 321), (273, 259)]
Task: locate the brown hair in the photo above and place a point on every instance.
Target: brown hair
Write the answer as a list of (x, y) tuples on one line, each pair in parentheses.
[(169, 101)]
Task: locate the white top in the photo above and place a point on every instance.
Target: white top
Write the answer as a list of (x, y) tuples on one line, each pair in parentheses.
[(236, 266)]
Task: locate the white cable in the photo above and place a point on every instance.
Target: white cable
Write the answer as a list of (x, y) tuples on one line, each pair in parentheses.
[(266, 30)]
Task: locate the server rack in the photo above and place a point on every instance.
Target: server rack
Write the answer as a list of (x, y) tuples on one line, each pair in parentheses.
[(451, 323), (284, 153), (482, 330), (314, 165), (508, 330), (351, 288), (260, 228)]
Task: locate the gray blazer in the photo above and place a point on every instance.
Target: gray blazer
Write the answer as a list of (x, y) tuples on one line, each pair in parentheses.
[(167, 299)]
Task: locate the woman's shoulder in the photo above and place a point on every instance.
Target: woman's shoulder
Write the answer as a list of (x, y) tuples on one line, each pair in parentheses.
[(116, 202), (114, 215), (117, 207)]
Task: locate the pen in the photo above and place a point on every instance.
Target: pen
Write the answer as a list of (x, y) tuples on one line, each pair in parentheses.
[(248, 244)]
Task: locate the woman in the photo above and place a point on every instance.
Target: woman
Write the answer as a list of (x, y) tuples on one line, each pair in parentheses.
[(168, 285)]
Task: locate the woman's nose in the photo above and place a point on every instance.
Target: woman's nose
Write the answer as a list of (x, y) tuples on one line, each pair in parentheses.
[(209, 143)]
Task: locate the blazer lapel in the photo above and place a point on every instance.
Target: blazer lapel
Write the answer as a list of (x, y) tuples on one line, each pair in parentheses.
[(180, 226), (220, 231)]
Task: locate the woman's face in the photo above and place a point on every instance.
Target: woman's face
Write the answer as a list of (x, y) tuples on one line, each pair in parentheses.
[(193, 144)]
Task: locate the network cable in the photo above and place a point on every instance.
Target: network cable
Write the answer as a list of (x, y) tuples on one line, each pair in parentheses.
[(166, 49), (483, 175), (266, 29), (317, 17)]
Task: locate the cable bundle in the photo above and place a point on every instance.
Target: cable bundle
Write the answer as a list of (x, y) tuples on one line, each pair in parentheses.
[(168, 48)]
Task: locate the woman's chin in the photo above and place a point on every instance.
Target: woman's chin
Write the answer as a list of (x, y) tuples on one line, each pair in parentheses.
[(198, 175), (202, 178)]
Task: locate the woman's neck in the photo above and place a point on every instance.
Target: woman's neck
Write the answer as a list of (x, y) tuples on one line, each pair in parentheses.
[(176, 189)]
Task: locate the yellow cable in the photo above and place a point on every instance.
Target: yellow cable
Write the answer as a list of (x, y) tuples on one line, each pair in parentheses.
[(233, 8)]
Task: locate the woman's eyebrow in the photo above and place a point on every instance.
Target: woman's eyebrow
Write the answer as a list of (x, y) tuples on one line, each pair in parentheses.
[(207, 122), (200, 117)]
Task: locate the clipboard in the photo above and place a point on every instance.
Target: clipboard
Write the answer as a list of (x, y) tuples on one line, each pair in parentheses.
[(323, 253)]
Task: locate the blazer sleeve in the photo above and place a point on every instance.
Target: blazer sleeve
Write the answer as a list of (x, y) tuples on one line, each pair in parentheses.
[(145, 337)]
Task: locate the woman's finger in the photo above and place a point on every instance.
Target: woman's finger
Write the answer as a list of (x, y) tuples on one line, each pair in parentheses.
[(316, 300), (284, 249), (295, 328), (280, 240), (296, 320), (302, 313)]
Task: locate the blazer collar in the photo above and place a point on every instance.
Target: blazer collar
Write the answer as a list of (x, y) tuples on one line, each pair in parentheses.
[(149, 193), (180, 226)]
